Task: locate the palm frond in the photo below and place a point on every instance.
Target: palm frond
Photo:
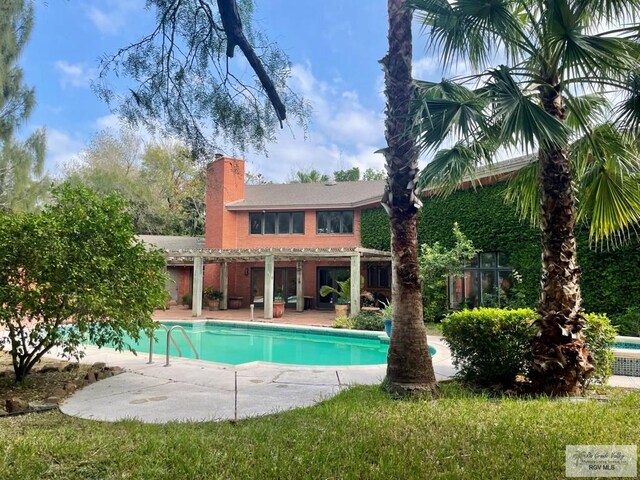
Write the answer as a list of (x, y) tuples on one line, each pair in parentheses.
[(522, 192), (608, 10), (627, 112), (607, 170), (470, 30), (449, 167), (585, 111), (524, 122), (443, 109), (611, 203)]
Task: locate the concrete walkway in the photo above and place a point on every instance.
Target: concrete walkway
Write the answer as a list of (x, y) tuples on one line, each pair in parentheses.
[(192, 390)]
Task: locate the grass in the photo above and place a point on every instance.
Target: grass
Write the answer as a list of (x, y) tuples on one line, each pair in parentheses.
[(361, 433)]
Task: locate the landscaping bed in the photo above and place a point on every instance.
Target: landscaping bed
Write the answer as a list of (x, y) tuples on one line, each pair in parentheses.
[(48, 384)]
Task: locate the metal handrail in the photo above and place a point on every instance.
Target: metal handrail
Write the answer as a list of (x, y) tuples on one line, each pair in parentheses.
[(184, 332), (151, 342)]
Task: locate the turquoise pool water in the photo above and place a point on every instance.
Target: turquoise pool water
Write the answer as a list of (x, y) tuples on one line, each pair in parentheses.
[(237, 344), (627, 345)]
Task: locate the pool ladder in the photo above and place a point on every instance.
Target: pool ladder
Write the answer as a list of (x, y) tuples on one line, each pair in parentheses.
[(172, 340)]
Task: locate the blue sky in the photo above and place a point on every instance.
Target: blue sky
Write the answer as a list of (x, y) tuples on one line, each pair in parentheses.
[(334, 46)]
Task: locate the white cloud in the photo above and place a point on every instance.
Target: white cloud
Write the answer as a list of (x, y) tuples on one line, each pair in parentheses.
[(75, 74), (63, 148), (108, 122), (343, 133), (112, 15)]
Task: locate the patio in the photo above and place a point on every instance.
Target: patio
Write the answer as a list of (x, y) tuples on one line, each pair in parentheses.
[(315, 318)]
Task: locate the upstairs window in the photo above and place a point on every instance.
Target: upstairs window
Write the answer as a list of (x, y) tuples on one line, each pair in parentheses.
[(276, 223), (335, 221)]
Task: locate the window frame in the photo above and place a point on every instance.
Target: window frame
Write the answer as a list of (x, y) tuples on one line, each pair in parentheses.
[(330, 216), (262, 216), (475, 269)]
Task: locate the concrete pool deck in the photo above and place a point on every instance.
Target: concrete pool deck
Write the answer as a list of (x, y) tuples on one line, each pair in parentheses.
[(193, 390)]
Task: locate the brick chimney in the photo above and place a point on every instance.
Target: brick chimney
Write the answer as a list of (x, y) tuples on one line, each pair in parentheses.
[(225, 183)]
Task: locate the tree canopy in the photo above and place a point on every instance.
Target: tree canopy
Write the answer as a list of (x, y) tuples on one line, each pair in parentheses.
[(184, 81), (22, 183), (76, 263), (164, 188), (569, 89)]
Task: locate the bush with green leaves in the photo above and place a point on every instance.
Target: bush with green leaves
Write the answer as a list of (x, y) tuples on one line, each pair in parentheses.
[(343, 322), (490, 346), (76, 262), (437, 264), (600, 336), (628, 323), (368, 321)]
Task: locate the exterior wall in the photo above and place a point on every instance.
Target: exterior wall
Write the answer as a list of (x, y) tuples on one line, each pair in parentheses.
[(225, 183), (230, 229), (309, 239)]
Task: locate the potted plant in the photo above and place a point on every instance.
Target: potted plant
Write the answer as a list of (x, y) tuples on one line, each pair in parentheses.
[(278, 303), (187, 300), (344, 295), (387, 316), (213, 297)]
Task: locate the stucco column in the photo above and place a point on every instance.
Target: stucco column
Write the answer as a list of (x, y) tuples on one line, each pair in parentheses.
[(224, 284), (198, 278), (299, 287), (355, 284), (268, 286)]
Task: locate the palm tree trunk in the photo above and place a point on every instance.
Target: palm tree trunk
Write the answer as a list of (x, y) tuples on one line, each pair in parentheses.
[(561, 362), (409, 365)]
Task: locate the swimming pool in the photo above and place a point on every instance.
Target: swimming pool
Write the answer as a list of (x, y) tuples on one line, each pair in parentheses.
[(626, 353), (236, 343)]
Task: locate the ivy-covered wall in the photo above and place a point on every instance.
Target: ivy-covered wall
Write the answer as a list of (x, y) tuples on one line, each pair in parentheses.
[(610, 280)]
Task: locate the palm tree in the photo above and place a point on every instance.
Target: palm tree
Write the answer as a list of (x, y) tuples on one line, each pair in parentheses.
[(409, 365), (310, 176), (551, 95)]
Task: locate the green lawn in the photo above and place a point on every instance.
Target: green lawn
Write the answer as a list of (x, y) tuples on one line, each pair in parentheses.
[(361, 433)]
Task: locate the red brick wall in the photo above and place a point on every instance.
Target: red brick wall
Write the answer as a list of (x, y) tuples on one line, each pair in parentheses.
[(309, 239), (230, 229), (225, 183)]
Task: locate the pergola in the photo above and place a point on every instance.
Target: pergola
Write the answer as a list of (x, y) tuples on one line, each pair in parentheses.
[(198, 257)]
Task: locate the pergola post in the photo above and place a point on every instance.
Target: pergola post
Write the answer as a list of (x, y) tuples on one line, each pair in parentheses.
[(224, 284), (198, 281), (299, 290), (355, 284), (268, 286)]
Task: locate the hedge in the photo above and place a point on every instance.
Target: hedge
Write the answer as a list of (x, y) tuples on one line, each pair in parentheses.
[(610, 282), (490, 346)]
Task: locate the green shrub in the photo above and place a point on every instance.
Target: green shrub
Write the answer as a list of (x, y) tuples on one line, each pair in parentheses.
[(600, 336), (343, 322), (187, 300), (628, 323), (368, 321), (490, 346)]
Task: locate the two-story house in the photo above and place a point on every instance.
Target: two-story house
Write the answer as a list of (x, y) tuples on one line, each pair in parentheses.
[(262, 240)]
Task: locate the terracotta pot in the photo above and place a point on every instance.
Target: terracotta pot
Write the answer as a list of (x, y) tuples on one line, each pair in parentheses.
[(235, 303), (213, 304), (342, 310), (278, 309)]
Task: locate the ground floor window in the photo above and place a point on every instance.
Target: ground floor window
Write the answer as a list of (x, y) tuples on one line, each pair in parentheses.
[(487, 281)]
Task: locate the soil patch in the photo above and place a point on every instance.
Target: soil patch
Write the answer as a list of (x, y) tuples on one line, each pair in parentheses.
[(50, 382)]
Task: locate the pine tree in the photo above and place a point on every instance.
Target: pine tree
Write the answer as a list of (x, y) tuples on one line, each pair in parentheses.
[(21, 162)]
